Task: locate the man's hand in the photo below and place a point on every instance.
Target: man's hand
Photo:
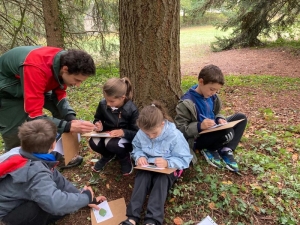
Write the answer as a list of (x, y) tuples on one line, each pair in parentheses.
[(79, 126), (99, 199), (142, 161), (161, 162)]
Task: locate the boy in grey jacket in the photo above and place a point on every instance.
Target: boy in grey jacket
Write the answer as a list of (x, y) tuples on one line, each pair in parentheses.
[(199, 109), (32, 191)]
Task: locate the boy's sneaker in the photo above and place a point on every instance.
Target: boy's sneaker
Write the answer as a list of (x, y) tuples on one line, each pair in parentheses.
[(99, 166), (212, 157), (228, 158), (126, 165)]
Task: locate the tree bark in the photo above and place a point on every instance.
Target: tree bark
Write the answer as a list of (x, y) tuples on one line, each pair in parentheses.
[(53, 23), (149, 50)]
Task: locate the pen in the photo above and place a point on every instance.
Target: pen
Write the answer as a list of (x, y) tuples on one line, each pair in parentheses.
[(203, 116)]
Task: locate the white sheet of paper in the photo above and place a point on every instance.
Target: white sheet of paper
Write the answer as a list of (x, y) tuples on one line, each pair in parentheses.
[(153, 167), (103, 134), (217, 125), (207, 221), (122, 141), (59, 147), (99, 218)]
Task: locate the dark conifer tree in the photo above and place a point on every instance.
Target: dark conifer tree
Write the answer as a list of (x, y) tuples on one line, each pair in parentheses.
[(248, 19)]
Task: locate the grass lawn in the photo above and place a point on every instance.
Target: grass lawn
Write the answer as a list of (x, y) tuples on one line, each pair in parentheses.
[(195, 42)]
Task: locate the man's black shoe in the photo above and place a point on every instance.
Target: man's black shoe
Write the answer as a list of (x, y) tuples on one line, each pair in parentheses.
[(76, 161)]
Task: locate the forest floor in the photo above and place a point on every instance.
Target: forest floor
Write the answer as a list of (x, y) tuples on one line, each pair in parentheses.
[(275, 61), (265, 61)]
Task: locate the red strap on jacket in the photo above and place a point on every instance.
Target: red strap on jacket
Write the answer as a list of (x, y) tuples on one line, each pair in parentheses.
[(11, 164)]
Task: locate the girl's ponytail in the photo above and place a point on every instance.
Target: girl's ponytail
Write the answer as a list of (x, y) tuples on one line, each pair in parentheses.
[(152, 116), (163, 109), (129, 92)]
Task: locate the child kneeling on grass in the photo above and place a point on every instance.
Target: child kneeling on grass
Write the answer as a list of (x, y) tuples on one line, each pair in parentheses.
[(199, 110), (157, 142), (32, 191)]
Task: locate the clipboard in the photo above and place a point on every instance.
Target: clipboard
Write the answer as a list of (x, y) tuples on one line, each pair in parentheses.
[(70, 145), (118, 209), (96, 134), (223, 127), (165, 170)]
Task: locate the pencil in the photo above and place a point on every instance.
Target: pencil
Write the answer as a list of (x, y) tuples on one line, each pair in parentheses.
[(203, 116)]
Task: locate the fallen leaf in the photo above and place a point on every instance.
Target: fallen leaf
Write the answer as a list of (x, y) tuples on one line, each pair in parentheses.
[(94, 160), (257, 209), (178, 221), (280, 185), (256, 186), (227, 182), (212, 205), (295, 157), (107, 186), (223, 194), (172, 200)]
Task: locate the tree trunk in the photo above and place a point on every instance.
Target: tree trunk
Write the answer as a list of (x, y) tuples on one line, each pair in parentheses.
[(149, 50), (53, 23)]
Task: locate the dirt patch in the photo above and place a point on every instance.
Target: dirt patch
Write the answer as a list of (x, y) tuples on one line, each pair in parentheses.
[(272, 61)]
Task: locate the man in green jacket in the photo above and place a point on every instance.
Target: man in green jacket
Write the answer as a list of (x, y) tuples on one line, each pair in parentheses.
[(35, 77)]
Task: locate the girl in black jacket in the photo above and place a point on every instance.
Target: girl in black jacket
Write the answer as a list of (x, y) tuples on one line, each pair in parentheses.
[(116, 114)]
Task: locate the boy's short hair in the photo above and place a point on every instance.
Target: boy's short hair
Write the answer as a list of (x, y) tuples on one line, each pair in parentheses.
[(37, 136), (211, 74)]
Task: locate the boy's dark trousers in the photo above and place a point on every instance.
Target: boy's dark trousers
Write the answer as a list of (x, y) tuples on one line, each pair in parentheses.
[(223, 138), (29, 213), (158, 184)]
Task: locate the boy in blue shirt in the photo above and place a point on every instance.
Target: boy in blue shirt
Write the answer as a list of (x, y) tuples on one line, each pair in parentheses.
[(198, 110)]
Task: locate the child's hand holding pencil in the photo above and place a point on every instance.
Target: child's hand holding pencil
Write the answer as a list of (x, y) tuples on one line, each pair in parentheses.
[(98, 126), (206, 123)]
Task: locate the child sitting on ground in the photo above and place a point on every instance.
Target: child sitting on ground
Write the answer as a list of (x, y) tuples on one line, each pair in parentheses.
[(157, 142), (198, 110), (32, 190), (117, 114)]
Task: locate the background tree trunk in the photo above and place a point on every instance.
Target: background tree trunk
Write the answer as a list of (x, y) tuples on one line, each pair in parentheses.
[(53, 23), (149, 50)]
